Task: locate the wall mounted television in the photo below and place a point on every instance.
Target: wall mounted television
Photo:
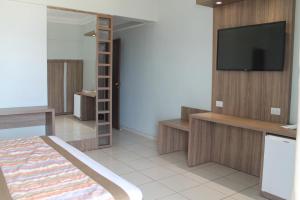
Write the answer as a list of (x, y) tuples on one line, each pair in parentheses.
[(252, 48)]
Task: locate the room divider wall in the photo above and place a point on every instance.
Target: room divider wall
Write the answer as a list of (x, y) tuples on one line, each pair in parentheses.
[(104, 80)]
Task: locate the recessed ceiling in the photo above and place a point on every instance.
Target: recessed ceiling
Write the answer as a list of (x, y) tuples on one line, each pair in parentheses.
[(123, 23), (77, 18), (69, 17)]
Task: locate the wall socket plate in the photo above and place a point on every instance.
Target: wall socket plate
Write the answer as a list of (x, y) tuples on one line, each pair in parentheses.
[(219, 104), (275, 111)]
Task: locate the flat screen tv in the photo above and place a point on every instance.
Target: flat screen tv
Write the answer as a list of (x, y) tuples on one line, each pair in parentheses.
[(252, 48)]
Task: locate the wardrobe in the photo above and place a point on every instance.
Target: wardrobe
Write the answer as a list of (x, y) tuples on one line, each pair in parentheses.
[(65, 78)]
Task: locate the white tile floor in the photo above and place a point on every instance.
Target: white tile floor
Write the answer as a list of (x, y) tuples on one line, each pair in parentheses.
[(165, 177), (69, 128)]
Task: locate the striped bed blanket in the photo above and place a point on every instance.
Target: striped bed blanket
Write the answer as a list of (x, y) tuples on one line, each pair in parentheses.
[(37, 168)]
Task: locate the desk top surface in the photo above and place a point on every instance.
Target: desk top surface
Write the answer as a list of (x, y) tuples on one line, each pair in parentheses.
[(257, 125), (177, 123), (87, 94), (25, 110)]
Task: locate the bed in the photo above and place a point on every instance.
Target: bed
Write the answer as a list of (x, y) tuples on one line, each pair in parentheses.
[(49, 168)]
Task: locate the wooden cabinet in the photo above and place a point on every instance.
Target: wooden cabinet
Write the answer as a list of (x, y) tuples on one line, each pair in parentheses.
[(65, 78), (55, 85)]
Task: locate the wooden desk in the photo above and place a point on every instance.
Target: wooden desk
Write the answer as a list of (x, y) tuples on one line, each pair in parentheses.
[(173, 134), (28, 116), (240, 146), (87, 106)]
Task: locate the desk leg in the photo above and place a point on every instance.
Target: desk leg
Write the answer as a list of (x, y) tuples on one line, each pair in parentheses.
[(200, 142), (50, 123), (171, 140)]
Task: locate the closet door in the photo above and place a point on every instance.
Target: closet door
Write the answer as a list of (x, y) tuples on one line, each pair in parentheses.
[(56, 85), (74, 82)]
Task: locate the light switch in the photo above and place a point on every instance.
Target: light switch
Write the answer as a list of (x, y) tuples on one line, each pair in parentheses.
[(275, 111), (219, 104)]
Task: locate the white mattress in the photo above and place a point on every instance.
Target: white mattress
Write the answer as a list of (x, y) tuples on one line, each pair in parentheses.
[(133, 192)]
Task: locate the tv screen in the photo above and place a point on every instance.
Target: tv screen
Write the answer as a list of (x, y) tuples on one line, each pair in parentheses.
[(252, 48)]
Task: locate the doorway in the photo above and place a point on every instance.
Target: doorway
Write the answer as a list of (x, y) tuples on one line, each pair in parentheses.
[(116, 84)]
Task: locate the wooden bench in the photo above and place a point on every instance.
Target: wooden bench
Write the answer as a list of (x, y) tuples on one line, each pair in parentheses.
[(173, 134)]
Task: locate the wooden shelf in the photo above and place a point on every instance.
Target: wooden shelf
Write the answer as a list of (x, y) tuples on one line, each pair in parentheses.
[(101, 76), (105, 135), (103, 123), (28, 116), (103, 88), (104, 41), (107, 75), (104, 52), (103, 112), (104, 100), (256, 125), (104, 65), (104, 28)]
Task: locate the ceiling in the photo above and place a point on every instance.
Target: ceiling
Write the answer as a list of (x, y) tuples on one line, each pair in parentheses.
[(69, 17), (77, 18)]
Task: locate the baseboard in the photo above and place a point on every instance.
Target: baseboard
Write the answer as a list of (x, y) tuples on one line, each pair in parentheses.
[(138, 132)]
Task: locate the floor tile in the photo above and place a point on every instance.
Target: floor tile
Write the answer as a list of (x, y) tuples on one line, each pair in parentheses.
[(174, 197), (179, 182), (157, 173), (137, 178), (243, 179), (155, 190), (226, 186), (203, 192), (141, 164), (206, 174), (196, 177), (248, 194), (119, 168), (220, 170), (175, 157)]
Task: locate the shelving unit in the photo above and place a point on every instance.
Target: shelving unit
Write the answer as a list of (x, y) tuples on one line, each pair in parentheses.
[(104, 80)]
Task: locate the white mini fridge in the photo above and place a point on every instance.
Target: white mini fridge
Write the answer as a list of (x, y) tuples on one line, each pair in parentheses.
[(278, 168)]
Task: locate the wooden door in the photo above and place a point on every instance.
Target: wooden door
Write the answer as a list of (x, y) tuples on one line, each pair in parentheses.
[(74, 82), (116, 85), (56, 85)]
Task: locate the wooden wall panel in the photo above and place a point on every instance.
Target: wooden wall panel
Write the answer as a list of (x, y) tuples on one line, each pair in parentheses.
[(55, 85), (200, 138), (171, 139), (252, 94), (237, 148), (74, 81)]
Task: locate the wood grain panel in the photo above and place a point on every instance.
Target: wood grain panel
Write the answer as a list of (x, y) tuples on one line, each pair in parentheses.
[(23, 120), (74, 81), (56, 85), (171, 139), (28, 116), (252, 94), (200, 141), (88, 108), (187, 111), (237, 148)]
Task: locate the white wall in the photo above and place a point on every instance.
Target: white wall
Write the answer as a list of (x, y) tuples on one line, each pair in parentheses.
[(89, 57), (23, 58), (64, 41), (168, 64), (165, 65), (294, 100), (23, 54), (67, 41), (139, 9)]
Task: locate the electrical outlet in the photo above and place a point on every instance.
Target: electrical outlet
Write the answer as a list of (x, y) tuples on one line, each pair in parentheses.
[(219, 104), (275, 111)]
